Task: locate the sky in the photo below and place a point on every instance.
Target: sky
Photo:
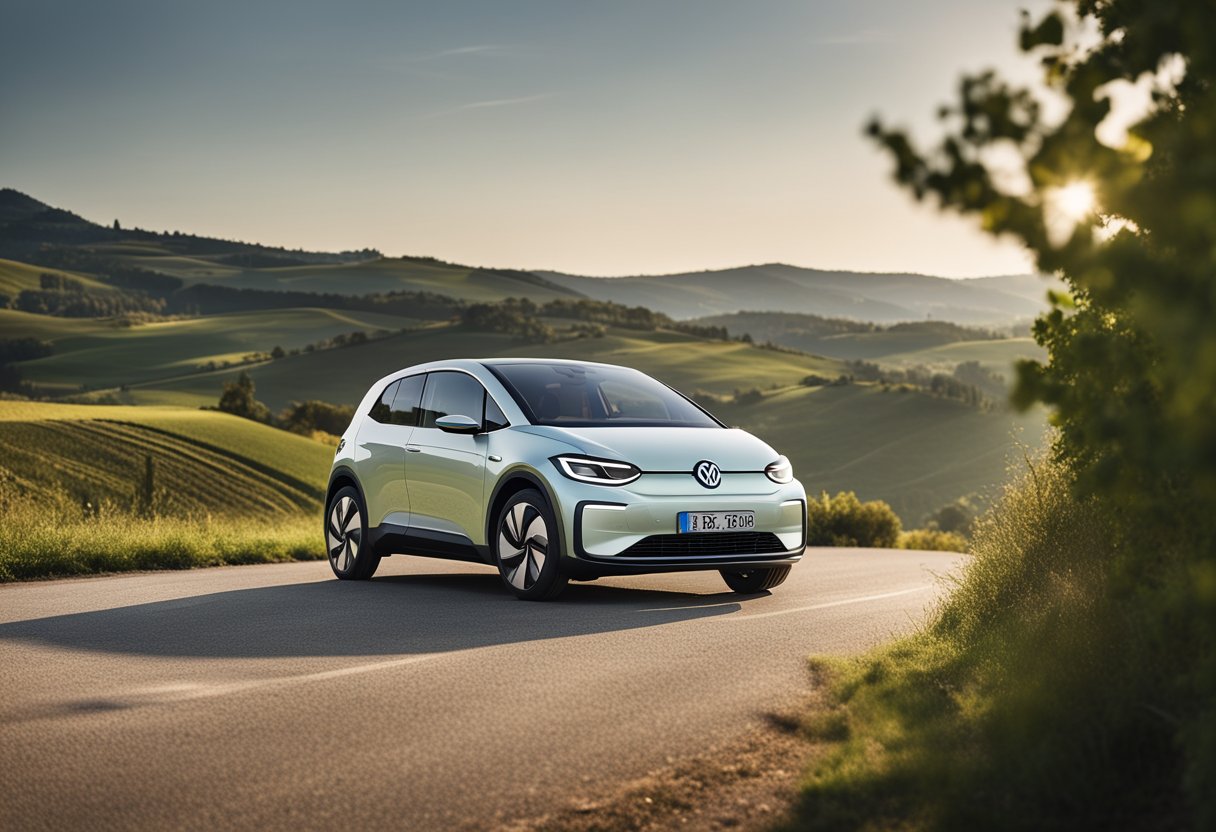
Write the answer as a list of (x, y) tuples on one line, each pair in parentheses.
[(603, 138)]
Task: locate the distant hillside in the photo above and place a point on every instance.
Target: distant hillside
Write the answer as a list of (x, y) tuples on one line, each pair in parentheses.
[(58, 240), (884, 298), (843, 338), (35, 233)]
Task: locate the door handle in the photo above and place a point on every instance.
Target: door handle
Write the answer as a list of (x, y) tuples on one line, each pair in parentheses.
[(414, 449)]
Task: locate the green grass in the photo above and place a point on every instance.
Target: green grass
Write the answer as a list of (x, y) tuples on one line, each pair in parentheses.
[(911, 450), (205, 462), (104, 354), (996, 356), (38, 544), (227, 490), (1041, 694)]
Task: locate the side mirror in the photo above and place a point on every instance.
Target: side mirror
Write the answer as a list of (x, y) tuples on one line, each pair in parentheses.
[(457, 424)]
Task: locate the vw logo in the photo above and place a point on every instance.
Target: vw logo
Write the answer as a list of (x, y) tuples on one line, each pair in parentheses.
[(707, 473)]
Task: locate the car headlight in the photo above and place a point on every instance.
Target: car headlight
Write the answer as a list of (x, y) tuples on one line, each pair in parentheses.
[(780, 471), (598, 471)]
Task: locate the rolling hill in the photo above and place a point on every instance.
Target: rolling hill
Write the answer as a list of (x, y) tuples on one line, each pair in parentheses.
[(883, 298), (31, 231), (914, 451), (205, 462), (343, 375), (99, 353), (910, 448), (843, 338)]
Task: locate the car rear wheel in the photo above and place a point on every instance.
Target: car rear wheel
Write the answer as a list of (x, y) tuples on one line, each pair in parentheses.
[(350, 553), (755, 580), (527, 547)]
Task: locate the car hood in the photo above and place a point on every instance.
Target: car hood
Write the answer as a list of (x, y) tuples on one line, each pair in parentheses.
[(666, 449)]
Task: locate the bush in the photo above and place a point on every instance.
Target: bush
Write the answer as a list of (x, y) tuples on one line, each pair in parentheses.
[(308, 417), (753, 395), (844, 520), (933, 540), (957, 517)]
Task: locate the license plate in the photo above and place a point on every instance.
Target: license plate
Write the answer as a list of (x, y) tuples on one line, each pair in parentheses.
[(716, 521)]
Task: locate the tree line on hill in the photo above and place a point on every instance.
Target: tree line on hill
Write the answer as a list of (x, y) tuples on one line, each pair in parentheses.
[(52, 237), (308, 418), (522, 318)]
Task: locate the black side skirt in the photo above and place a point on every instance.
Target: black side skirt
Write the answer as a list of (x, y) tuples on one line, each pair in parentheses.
[(392, 539)]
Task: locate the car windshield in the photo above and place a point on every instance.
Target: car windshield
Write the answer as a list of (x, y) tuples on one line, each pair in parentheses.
[(574, 395)]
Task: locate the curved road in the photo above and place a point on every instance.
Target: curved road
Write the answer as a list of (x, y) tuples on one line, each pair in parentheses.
[(274, 696)]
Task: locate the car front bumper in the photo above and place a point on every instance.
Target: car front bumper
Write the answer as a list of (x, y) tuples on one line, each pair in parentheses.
[(633, 528)]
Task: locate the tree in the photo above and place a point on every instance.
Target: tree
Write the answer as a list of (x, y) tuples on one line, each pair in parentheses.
[(1128, 219), (238, 399)]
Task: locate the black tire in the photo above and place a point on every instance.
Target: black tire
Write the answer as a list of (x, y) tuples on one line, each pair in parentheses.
[(346, 542), (526, 538), (748, 581)]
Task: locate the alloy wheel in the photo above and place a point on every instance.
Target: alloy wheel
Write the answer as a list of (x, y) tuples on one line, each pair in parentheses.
[(343, 533), (523, 545)]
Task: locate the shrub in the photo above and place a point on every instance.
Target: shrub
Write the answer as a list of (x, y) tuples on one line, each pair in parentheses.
[(23, 349), (310, 416), (752, 395), (933, 540), (844, 520)]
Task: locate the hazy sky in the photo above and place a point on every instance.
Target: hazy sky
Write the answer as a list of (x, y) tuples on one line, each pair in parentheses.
[(601, 138)]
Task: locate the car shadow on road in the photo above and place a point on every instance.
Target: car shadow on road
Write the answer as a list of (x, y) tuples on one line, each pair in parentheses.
[(392, 615)]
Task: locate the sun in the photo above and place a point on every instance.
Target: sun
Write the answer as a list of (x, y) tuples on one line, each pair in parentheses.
[(1074, 201)]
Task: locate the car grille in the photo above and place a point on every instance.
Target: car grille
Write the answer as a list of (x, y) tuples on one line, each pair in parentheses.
[(705, 544)]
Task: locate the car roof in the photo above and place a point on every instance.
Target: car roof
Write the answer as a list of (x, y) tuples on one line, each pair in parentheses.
[(568, 362)]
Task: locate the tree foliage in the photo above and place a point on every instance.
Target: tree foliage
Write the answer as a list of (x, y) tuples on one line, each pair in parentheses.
[(239, 398), (1131, 368)]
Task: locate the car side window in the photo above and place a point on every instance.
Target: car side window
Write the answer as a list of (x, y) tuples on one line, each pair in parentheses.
[(407, 402), (451, 394), (382, 409), (495, 419)]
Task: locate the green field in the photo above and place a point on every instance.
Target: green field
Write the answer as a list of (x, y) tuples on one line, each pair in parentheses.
[(16, 276), (914, 451), (343, 375), (205, 462), (996, 356), (385, 274), (101, 353)]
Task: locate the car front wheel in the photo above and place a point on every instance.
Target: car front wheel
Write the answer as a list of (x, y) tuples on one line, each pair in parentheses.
[(755, 580), (527, 547)]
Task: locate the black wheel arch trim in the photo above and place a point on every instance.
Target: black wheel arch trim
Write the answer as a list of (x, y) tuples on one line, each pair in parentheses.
[(343, 471), (533, 479)]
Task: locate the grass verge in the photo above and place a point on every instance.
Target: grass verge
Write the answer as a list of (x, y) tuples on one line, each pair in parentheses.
[(1045, 692), (44, 545)]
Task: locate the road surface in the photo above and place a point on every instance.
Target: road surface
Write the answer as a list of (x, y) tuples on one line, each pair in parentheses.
[(429, 698)]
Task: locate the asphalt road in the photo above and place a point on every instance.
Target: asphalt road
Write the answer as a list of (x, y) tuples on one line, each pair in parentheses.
[(428, 698)]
